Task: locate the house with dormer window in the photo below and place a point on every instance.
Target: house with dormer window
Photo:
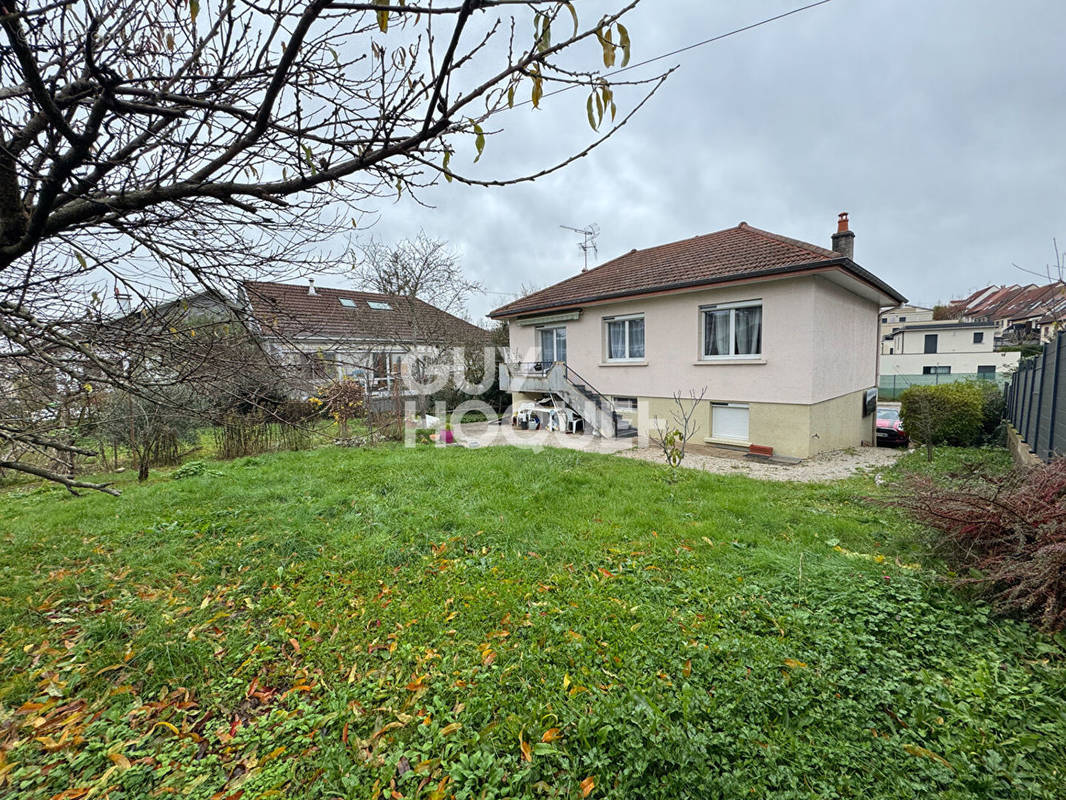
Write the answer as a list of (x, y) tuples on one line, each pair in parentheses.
[(780, 334), (327, 334)]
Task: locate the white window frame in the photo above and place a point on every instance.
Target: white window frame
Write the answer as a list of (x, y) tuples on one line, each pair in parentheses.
[(625, 403), (740, 406), (607, 339), (704, 310), (541, 330)]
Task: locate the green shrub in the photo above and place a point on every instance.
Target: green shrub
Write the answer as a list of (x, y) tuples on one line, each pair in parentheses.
[(992, 403), (951, 413)]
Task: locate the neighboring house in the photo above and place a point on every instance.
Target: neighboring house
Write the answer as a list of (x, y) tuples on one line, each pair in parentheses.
[(895, 318), (945, 347), (782, 335), (328, 334), (1020, 313)]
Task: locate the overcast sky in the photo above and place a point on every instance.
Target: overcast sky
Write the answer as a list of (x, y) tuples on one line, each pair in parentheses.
[(938, 125)]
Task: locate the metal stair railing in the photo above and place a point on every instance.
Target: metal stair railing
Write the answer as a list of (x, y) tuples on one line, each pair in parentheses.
[(591, 393)]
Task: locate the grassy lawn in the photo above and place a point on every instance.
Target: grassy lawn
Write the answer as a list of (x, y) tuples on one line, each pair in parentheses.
[(500, 623)]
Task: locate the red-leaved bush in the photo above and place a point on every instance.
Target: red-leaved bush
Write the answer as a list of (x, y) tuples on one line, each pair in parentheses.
[(1007, 533)]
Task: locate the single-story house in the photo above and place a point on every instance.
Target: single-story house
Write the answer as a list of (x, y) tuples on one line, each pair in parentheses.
[(782, 335)]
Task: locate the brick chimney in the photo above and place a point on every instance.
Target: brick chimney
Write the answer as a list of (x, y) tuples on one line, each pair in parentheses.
[(124, 300), (844, 239)]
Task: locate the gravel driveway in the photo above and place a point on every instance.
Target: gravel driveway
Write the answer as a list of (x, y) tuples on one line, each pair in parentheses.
[(823, 467)]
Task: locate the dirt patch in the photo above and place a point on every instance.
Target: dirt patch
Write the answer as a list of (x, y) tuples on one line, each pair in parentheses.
[(823, 467)]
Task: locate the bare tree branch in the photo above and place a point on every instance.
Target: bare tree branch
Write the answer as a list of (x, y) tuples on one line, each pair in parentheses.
[(157, 150)]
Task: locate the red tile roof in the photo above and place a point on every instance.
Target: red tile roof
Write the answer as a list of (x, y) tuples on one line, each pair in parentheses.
[(733, 254), (1010, 302), (289, 311), (1028, 303)]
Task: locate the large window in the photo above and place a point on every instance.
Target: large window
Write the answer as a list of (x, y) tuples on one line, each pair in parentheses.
[(978, 337), (386, 369), (552, 344), (732, 330), (625, 338), (930, 342), (940, 370)]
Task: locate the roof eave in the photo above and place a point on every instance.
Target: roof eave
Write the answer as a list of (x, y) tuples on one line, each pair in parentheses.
[(843, 262)]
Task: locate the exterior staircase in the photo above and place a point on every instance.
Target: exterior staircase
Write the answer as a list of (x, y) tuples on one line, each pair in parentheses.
[(598, 414)]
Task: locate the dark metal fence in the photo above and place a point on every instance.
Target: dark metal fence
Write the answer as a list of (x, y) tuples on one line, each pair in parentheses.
[(1036, 400)]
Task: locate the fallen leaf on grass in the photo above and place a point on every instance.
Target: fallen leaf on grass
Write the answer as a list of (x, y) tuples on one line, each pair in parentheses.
[(72, 794), (452, 728), (523, 745), (165, 724), (587, 786), (550, 735), (792, 663)]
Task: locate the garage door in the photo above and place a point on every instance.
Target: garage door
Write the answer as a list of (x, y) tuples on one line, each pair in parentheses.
[(730, 422)]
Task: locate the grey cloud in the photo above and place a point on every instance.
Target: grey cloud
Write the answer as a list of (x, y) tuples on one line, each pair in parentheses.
[(937, 125)]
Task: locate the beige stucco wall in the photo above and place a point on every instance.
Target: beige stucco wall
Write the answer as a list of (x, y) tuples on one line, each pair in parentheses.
[(948, 341), (912, 363), (819, 353), (791, 368), (651, 408), (844, 350), (910, 313), (839, 423), (799, 431), (782, 426)]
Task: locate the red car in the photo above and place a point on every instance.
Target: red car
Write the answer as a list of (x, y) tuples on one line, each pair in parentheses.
[(890, 428)]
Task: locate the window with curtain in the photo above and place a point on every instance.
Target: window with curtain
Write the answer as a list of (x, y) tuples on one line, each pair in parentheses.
[(625, 339), (552, 344), (732, 331)]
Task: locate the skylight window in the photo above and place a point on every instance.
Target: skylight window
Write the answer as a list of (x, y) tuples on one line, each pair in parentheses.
[(347, 302), (378, 305)]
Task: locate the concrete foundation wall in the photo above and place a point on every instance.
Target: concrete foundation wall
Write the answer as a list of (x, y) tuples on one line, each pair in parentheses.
[(795, 430), (1020, 450), (839, 423)]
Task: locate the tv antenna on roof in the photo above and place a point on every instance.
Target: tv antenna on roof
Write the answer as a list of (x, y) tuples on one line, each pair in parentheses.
[(589, 243)]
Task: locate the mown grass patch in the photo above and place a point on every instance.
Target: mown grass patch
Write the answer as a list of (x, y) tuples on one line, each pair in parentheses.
[(500, 623)]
